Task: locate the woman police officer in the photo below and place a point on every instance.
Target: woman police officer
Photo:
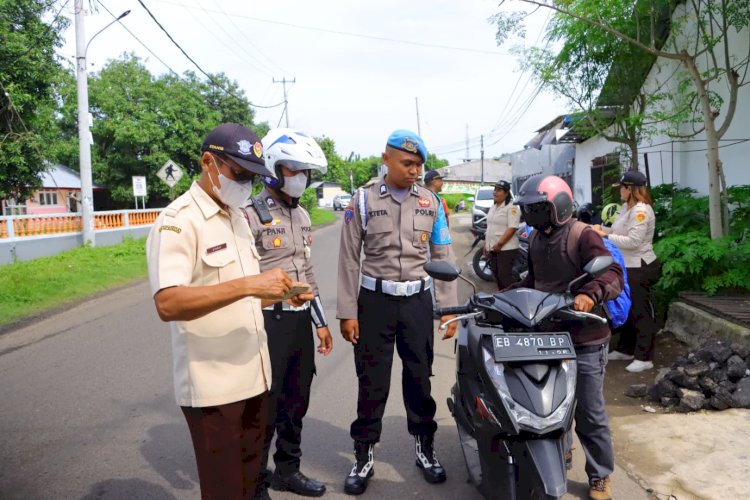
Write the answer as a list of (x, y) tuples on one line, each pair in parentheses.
[(633, 233)]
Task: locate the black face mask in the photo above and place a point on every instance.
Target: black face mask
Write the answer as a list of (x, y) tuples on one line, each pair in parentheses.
[(537, 215)]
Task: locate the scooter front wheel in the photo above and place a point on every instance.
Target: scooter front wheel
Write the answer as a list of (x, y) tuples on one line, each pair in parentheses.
[(481, 266)]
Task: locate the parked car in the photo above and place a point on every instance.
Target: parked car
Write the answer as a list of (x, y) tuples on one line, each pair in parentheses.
[(341, 201), (482, 203)]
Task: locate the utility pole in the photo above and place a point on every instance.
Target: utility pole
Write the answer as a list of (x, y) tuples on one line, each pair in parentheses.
[(84, 132), (284, 81), (466, 158), (419, 127), (482, 155), (84, 143)]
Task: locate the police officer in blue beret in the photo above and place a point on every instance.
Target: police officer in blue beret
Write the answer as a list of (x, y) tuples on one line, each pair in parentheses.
[(398, 225)]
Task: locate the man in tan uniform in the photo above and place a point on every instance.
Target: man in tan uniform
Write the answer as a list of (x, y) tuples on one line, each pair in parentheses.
[(206, 281), (399, 225)]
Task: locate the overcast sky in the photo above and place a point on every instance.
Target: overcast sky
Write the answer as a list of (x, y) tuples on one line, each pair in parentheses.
[(359, 66)]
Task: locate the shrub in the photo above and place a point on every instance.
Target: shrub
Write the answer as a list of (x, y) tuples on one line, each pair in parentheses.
[(693, 261), (309, 199), (690, 259)]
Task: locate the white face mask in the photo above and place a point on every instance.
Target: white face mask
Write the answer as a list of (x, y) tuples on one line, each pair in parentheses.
[(294, 186), (232, 193)]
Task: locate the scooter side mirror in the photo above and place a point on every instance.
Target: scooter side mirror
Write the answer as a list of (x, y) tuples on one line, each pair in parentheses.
[(442, 270), (598, 265), (593, 268)]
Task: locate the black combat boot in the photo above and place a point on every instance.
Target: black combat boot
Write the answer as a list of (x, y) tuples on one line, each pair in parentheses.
[(427, 460), (298, 483), (364, 468)]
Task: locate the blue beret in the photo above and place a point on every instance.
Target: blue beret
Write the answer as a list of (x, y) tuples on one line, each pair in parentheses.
[(406, 140)]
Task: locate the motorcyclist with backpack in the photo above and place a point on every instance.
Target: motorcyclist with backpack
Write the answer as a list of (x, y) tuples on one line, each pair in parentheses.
[(546, 202)]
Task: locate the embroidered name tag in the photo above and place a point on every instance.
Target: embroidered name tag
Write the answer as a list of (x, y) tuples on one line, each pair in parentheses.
[(216, 248), (170, 228)]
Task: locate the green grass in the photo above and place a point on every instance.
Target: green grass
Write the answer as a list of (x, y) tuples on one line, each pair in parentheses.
[(28, 288), (453, 198), (31, 287), (322, 216)]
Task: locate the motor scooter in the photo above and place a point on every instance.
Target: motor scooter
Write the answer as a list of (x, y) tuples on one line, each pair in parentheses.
[(514, 396), (481, 264)]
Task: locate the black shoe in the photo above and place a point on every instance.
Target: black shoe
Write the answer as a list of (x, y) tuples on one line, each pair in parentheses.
[(364, 468), (262, 494), (298, 483), (427, 460)]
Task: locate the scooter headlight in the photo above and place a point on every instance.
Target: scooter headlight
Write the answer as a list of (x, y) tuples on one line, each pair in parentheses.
[(521, 415)]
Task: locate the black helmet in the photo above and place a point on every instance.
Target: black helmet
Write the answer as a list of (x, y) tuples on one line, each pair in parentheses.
[(545, 200), (585, 213)]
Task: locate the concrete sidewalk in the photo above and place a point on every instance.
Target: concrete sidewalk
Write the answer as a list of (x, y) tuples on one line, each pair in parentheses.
[(696, 455)]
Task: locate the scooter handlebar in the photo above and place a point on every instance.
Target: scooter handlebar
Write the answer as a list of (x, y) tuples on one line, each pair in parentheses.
[(452, 311)]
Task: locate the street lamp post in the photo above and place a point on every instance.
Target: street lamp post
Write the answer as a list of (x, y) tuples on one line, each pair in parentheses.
[(84, 141)]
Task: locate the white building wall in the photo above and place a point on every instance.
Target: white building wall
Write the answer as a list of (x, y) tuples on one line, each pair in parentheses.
[(682, 162), (585, 154)]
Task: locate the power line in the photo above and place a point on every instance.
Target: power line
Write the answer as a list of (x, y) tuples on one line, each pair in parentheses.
[(359, 35), (242, 33), (139, 40), (227, 39), (210, 78)]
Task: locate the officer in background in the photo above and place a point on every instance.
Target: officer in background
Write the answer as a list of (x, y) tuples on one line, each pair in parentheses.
[(434, 182), (501, 242), (283, 237), (204, 274), (399, 226)]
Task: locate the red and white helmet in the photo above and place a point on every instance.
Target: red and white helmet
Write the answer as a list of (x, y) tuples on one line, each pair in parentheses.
[(545, 200)]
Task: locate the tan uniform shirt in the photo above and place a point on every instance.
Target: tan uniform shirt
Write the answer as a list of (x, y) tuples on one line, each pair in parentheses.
[(633, 233), (286, 241), (395, 245), (221, 357), (499, 218)]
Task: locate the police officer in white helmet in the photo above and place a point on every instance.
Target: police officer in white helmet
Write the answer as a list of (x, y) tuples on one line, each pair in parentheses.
[(283, 238)]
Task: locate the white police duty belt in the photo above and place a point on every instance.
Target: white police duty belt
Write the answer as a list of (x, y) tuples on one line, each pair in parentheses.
[(397, 288), (286, 306)]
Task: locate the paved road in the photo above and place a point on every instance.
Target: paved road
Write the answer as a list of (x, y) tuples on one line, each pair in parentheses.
[(88, 410)]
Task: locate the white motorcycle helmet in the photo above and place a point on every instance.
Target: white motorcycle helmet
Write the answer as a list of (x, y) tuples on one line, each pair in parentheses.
[(293, 149)]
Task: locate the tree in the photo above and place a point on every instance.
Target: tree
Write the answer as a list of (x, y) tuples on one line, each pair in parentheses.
[(700, 39), (336, 169), (141, 121), (29, 71), (434, 162)]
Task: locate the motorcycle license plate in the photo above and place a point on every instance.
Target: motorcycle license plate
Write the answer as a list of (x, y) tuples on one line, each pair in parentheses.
[(524, 346)]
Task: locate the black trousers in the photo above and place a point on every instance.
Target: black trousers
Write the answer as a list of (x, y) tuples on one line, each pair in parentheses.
[(385, 321), (638, 334), (292, 350), (228, 444), (501, 264)]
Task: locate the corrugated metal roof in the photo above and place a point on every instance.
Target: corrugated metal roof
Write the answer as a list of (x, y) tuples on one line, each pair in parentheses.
[(472, 171), (62, 177)]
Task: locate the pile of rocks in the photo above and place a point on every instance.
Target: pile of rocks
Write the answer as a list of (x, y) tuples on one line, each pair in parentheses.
[(716, 376)]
